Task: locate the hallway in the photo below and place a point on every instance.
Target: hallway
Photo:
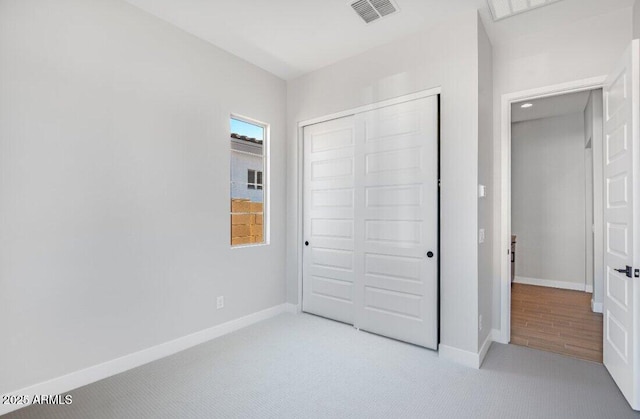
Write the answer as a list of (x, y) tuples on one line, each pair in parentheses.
[(556, 320)]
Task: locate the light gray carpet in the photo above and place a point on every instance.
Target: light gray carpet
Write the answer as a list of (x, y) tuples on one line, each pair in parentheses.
[(307, 367)]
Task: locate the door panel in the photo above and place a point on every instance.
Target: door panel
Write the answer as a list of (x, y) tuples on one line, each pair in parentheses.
[(621, 165), (328, 260), (399, 220)]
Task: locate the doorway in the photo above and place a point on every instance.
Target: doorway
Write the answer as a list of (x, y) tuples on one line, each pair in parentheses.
[(556, 144), (620, 223)]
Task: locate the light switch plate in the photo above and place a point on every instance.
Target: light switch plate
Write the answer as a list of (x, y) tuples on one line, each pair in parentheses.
[(482, 191), (481, 235)]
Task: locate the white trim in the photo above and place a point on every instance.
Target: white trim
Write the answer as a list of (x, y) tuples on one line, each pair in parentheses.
[(496, 336), (588, 289), (244, 246), (505, 183), (485, 348), (266, 177), (467, 358), (300, 146), (550, 283), (459, 356), (92, 374), (400, 99), (597, 307), (300, 212), (292, 308)]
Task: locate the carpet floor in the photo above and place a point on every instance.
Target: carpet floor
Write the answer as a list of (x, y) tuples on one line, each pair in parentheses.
[(308, 367)]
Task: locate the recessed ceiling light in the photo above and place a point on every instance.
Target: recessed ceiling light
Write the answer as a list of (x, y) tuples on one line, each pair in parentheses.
[(527, 105), (501, 9)]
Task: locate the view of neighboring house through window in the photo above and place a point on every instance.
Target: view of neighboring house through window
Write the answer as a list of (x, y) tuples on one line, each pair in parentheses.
[(254, 179), (247, 182)]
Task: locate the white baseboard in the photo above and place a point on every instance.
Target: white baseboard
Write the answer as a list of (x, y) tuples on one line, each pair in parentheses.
[(589, 289), (292, 308), (596, 307), (92, 374), (499, 337), (485, 348), (550, 283), (459, 356), (468, 358)]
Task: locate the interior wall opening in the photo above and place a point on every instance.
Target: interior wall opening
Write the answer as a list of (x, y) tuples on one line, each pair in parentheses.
[(556, 210)]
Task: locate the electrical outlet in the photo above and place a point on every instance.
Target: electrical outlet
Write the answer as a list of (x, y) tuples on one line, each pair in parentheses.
[(480, 323), (220, 302), (481, 235)]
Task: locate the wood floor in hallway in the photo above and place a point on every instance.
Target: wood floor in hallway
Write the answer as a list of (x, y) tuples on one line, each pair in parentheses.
[(556, 320)]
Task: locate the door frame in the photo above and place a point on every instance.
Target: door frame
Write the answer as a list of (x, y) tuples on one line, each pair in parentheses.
[(349, 112), (505, 183)]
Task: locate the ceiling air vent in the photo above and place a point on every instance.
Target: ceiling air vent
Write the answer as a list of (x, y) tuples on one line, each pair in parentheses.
[(502, 9), (370, 10)]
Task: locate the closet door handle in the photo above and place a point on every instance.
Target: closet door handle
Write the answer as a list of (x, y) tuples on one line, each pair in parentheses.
[(429, 254)]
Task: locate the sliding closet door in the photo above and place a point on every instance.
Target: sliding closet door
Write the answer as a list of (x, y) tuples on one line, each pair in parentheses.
[(397, 221), (371, 221), (328, 257)]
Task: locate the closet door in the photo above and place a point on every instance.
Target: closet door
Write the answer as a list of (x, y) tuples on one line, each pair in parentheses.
[(397, 221), (328, 256), (371, 221)]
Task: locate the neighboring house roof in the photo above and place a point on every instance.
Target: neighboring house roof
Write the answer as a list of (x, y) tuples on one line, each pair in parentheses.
[(246, 144), (245, 138)]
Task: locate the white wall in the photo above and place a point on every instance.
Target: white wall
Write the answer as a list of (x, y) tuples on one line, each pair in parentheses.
[(588, 226), (486, 273), (588, 118), (636, 19), (587, 48), (593, 115), (446, 56), (548, 198), (114, 186)]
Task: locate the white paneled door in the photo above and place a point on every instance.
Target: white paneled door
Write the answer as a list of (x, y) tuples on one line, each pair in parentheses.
[(329, 179), (622, 225), (371, 226)]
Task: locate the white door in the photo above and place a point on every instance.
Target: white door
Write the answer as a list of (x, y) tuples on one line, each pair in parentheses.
[(622, 225), (398, 220), (371, 221), (328, 260)]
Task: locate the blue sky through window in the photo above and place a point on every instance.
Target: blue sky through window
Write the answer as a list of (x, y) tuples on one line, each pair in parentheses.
[(244, 128)]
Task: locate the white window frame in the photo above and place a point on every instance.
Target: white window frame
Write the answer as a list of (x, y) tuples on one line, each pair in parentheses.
[(266, 177)]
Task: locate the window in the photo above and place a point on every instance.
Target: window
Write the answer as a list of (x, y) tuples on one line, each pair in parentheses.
[(248, 189), (254, 179)]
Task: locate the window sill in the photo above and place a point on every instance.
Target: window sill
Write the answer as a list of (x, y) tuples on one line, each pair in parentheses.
[(244, 246)]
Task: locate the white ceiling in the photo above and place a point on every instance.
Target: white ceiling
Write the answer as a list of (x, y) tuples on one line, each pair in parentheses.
[(292, 37), (550, 106)]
